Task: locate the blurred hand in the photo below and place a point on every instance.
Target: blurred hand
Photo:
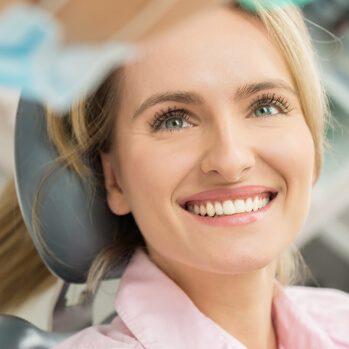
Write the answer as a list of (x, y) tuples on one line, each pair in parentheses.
[(129, 20)]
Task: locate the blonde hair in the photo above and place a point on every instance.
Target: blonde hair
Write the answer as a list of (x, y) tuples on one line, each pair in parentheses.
[(81, 135), (22, 272)]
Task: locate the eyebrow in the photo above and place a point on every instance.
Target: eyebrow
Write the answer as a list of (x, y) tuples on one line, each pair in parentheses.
[(179, 97), (250, 89), (185, 97)]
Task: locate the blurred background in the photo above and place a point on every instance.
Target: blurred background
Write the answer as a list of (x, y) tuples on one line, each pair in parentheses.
[(324, 241)]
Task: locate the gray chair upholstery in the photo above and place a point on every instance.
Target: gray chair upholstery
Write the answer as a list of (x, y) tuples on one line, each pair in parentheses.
[(74, 226), (16, 333)]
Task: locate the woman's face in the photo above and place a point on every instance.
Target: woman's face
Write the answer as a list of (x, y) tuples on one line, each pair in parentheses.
[(209, 117)]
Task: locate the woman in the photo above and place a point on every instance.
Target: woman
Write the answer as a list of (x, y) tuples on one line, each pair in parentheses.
[(212, 140)]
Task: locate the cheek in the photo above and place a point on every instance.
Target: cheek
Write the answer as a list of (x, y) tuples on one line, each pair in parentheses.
[(290, 151), (298, 158), (291, 154), (153, 169)]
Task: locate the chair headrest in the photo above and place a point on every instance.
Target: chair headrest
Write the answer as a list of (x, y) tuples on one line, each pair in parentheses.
[(74, 226)]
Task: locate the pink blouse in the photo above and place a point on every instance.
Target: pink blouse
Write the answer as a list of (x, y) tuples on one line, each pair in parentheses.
[(154, 313)]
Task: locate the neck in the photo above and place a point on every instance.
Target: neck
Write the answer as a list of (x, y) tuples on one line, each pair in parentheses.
[(240, 304)]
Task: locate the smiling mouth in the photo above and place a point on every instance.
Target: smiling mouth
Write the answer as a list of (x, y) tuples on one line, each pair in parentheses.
[(228, 207)]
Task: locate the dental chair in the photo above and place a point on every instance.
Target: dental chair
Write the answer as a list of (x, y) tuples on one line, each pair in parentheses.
[(73, 225)]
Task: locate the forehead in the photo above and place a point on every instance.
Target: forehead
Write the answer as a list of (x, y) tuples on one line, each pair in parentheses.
[(214, 51)]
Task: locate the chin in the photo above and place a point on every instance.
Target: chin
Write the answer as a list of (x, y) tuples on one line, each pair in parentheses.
[(233, 262)]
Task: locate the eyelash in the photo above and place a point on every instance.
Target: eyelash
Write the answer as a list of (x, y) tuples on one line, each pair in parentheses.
[(269, 99), (265, 99), (159, 118)]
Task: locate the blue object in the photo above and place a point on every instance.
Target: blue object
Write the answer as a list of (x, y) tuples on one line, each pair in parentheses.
[(255, 5), (33, 59)]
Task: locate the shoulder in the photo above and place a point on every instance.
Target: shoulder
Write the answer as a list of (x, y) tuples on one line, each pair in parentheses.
[(329, 308), (116, 336), (318, 300)]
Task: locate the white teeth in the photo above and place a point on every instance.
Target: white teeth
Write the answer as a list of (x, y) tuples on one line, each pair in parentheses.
[(239, 206), (248, 205), (218, 208), (265, 201), (228, 207), (255, 203), (260, 203), (202, 210), (210, 209)]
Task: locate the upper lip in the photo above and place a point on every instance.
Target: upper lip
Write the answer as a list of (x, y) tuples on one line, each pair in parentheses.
[(243, 192)]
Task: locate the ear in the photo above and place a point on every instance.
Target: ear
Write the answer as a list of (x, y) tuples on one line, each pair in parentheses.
[(115, 196)]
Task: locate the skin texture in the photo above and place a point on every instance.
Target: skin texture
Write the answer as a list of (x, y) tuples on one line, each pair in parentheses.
[(228, 272)]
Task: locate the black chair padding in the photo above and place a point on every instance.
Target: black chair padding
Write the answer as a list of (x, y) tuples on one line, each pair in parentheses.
[(16, 333), (74, 226)]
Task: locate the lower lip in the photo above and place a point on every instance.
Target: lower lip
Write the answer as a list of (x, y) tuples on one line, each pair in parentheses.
[(234, 220)]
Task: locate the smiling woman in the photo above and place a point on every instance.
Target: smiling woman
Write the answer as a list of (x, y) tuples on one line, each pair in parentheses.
[(205, 125), (210, 143)]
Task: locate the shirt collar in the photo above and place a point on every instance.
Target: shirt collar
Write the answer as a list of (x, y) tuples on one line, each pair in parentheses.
[(294, 327), (161, 315)]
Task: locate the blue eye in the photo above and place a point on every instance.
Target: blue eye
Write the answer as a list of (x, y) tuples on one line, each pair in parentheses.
[(268, 105), (265, 110), (174, 123), (171, 120)]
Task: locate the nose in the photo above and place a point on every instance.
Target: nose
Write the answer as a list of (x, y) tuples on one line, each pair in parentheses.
[(228, 152)]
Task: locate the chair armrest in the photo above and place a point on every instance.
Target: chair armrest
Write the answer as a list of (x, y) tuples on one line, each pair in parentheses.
[(17, 333)]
